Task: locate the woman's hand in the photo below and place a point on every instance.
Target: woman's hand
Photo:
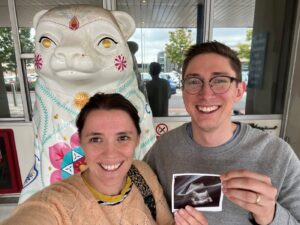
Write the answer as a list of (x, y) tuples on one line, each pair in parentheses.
[(251, 191), (190, 216)]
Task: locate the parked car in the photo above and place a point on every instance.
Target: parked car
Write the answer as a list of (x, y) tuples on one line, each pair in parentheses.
[(171, 76), (245, 74), (147, 77), (173, 85), (9, 79)]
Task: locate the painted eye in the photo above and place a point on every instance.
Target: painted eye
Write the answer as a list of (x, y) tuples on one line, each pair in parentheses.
[(107, 42), (47, 42)]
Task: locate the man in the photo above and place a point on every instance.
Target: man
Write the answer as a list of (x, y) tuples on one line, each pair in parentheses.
[(158, 91), (260, 173)]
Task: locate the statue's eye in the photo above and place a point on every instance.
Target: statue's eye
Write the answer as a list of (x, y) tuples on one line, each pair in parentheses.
[(107, 42), (47, 42)]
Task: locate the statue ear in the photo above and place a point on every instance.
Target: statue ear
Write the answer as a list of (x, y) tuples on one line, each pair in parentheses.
[(125, 22), (37, 17)]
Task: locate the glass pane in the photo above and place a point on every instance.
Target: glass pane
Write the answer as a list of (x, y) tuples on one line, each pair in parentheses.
[(10, 96), (262, 47), (151, 48)]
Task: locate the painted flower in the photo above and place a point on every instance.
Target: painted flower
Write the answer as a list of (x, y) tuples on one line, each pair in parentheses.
[(57, 153), (120, 62), (38, 61)]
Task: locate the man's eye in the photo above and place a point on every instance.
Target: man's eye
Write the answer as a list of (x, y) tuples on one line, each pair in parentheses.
[(95, 140), (219, 81), (194, 81)]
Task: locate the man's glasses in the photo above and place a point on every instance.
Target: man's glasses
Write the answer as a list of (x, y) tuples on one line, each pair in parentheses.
[(218, 84)]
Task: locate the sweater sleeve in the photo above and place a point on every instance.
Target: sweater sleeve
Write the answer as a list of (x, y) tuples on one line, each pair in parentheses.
[(33, 213), (288, 201)]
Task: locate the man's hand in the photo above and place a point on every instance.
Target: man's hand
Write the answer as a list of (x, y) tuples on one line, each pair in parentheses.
[(190, 216), (251, 191)]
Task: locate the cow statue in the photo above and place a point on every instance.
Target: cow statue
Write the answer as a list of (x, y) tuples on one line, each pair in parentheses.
[(79, 50)]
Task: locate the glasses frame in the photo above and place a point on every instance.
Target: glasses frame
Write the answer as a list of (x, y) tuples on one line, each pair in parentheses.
[(209, 83)]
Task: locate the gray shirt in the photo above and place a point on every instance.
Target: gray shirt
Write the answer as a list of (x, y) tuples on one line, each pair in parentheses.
[(251, 149)]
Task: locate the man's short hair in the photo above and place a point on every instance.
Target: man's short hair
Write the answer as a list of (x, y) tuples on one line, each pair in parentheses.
[(154, 68), (217, 48)]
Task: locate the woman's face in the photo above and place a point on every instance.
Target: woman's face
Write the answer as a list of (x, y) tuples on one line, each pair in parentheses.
[(109, 139)]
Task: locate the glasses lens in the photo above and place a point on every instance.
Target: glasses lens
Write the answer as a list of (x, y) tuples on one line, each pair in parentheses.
[(192, 85), (220, 85)]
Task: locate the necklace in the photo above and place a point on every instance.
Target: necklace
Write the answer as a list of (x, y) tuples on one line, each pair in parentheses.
[(103, 199)]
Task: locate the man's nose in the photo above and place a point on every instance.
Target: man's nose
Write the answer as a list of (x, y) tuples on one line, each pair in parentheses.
[(206, 89)]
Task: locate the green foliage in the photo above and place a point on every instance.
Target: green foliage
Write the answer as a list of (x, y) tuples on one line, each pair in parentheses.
[(179, 41), (245, 48), (7, 52)]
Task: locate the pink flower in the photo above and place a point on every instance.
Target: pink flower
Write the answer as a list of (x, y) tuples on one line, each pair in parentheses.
[(120, 62), (38, 61), (56, 155)]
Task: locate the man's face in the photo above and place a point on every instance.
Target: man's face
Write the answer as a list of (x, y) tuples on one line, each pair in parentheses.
[(210, 111)]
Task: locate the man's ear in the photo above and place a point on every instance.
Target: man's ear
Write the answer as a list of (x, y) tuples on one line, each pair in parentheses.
[(125, 22), (241, 88)]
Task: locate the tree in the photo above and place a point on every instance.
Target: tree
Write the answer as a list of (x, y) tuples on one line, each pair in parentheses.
[(7, 52), (179, 41), (244, 48)]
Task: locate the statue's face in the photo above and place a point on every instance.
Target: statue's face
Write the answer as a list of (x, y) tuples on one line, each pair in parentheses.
[(82, 45)]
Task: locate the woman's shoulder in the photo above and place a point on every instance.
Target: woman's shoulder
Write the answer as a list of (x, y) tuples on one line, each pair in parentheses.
[(61, 189), (143, 167)]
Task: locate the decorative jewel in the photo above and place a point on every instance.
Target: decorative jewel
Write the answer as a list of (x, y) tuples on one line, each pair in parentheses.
[(80, 99), (55, 116), (74, 23), (65, 138), (49, 168), (38, 61), (120, 62)]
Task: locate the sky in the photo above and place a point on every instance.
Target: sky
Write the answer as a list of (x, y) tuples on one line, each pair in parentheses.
[(153, 40)]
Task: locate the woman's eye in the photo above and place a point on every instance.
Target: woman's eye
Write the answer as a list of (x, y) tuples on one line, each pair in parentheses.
[(95, 140), (107, 42), (123, 138), (47, 42)]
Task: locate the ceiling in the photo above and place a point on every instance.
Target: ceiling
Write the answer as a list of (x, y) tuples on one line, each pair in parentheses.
[(147, 13)]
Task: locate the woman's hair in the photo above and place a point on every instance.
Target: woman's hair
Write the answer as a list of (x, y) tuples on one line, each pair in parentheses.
[(107, 102)]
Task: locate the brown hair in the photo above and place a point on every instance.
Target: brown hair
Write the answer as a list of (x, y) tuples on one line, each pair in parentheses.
[(217, 48), (107, 102)]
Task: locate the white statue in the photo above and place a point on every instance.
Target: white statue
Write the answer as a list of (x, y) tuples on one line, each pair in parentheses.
[(80, 50)]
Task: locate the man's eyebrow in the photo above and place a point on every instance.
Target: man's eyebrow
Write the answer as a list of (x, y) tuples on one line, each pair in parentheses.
[(193, 75), (220, 74)]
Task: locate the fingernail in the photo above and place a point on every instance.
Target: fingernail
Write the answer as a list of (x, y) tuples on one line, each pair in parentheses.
[(188, 208)]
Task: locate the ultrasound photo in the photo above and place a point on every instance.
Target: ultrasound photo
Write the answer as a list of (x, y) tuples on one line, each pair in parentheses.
[(201, 191)]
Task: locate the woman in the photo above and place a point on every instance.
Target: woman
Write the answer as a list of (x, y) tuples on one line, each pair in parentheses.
[(114, 188)]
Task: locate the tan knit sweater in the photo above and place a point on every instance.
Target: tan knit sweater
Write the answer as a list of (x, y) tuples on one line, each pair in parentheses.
[(70, 202)]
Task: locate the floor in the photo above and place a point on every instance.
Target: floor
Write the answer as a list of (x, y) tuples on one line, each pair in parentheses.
[(7, 205), (6, 209)]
